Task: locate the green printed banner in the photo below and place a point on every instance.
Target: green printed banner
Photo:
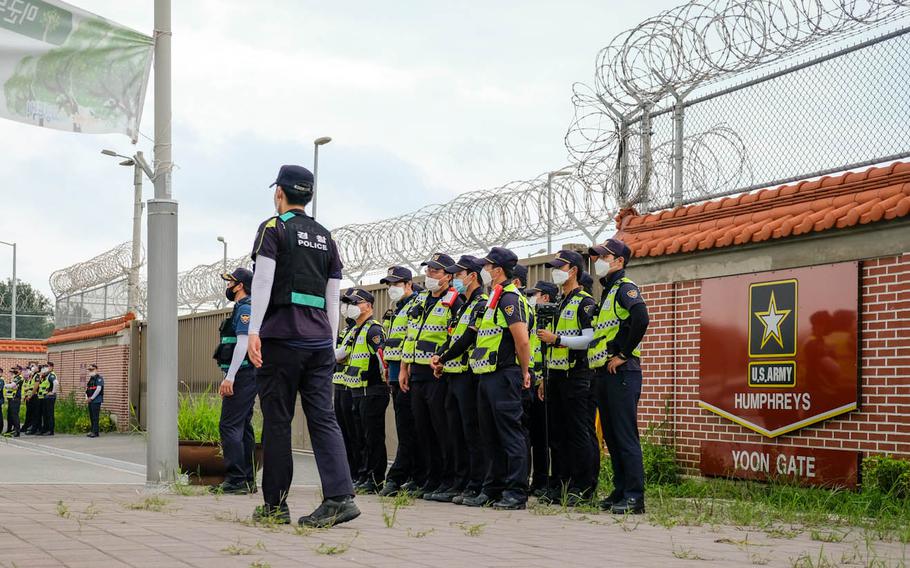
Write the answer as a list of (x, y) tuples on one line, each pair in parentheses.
[(67, 69)]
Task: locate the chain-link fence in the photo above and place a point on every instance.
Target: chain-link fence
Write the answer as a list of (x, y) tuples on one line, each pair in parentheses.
[(94, 304)]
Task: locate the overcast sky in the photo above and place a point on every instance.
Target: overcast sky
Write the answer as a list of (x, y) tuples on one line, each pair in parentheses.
[(423, 100)]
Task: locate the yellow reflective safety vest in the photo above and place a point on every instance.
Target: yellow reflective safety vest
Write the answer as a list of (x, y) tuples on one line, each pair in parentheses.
[(606, 326), (353, 373), (396, 331), (427, 332), (567, 325), (484, 357), (461, 364)]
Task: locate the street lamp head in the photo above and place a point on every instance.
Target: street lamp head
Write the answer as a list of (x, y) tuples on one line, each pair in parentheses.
[(221, 240), (108, 152), (322, 140), (127, 163)]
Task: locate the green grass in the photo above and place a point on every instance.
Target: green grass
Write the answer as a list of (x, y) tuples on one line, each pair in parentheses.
[(198, 416), (71, 416), (152, 503)]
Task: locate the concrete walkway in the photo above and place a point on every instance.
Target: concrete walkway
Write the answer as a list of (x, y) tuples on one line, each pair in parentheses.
[(61, 506)]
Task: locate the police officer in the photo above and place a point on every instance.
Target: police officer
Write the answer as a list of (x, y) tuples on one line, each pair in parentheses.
[(428, 330), (364, 370), (542, 293), (94, 398), (346, 414), (461, 401), (30, 395), (237, 389), (402, 295), (2, 398), (614, 356), (502, 360), (294, 322), (12, 393), (47, 393), (569, 387)]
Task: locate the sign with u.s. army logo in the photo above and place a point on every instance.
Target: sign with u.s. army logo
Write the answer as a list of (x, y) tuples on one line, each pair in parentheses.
[(778, 350)]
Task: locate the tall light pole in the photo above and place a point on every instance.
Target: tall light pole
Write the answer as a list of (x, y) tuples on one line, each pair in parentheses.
[(13, 306), (550, 176), (139, 166), (321, 141), (161, 454), (223, 262)]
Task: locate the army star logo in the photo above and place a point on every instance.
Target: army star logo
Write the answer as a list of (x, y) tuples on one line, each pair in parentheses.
[(376, 339), (633, 293), (245, 318), (771, 320), (509, 310)]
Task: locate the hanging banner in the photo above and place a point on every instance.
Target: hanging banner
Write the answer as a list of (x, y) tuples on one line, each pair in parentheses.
[(67, 69)]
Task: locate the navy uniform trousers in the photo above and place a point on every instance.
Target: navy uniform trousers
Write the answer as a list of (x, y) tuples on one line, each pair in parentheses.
[(617, 398), (404, 468), (286, 372), (236, 428), (500, 410)]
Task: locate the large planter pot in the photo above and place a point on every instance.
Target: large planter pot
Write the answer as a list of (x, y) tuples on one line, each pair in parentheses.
[(204, 462)]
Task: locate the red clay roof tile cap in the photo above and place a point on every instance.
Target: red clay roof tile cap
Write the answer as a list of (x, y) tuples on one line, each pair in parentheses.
[(748, 198), (788, 190), (879, 172), (856, 176), (696, 209), (901, 167)]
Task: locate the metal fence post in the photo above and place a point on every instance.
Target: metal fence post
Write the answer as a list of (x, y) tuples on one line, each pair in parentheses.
[(645, 165), (622, 180), (679, 110)]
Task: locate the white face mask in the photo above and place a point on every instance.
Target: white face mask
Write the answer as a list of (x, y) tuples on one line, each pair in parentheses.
[(396, 293), (486, 277), (352, 311), (559, 277), (432, 284), (532, 301), (601, 267)]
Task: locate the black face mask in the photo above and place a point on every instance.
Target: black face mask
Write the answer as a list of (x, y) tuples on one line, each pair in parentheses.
[(230, 293), (350, 321)]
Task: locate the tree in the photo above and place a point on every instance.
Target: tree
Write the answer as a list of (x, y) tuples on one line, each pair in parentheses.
[(34, 311)]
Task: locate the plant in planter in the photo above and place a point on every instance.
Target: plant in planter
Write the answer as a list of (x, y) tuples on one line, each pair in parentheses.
[(200, 454)]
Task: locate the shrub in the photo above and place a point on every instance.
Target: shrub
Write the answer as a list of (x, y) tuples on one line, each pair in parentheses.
[(887, 475), (198, 416), (71, 416)]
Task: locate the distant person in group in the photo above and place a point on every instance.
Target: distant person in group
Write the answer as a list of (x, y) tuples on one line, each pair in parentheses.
[(12, 393), (296, 296), (30, 397), (94, 398), (47, 393), (237, 389), (2, 398)]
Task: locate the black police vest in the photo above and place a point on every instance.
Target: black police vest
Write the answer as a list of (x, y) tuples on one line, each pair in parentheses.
[(224, 353), (302, 267), (91, 386)]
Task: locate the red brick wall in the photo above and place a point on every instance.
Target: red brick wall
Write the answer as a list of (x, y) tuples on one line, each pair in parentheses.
[(670, 356), (113, 364), (7, 360)]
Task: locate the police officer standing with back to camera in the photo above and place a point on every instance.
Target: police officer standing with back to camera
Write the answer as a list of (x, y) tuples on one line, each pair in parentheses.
[(346, 414), (541, 294), (461, 400), (569, 388), (94, 398), (428, 331), (237, 389), (402, 295), (294, 322), (364, 374), (614, 356), (502, 361)]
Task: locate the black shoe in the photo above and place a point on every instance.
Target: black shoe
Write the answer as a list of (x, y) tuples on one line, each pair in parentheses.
[(479, 500), (510, 504), (330, 513), (551, 495), (630, 506), (428, 491), (47, 433), (16, 435), (367, 488), (272, 515), (606, 503), (539, 491), (410, 486), (229, 488), (576, 500), (443, 496), (390, 489), (467, 494)]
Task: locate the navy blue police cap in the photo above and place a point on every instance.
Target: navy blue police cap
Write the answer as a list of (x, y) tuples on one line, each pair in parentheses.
[(466, 262), (439, 260), (501, 256), (566, 256), (543, 287), (357, 295), (397, 274), (242, 275), (294, 177), (613, 246)]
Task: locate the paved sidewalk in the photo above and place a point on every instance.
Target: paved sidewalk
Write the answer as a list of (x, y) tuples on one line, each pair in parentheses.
[(94, 525)]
